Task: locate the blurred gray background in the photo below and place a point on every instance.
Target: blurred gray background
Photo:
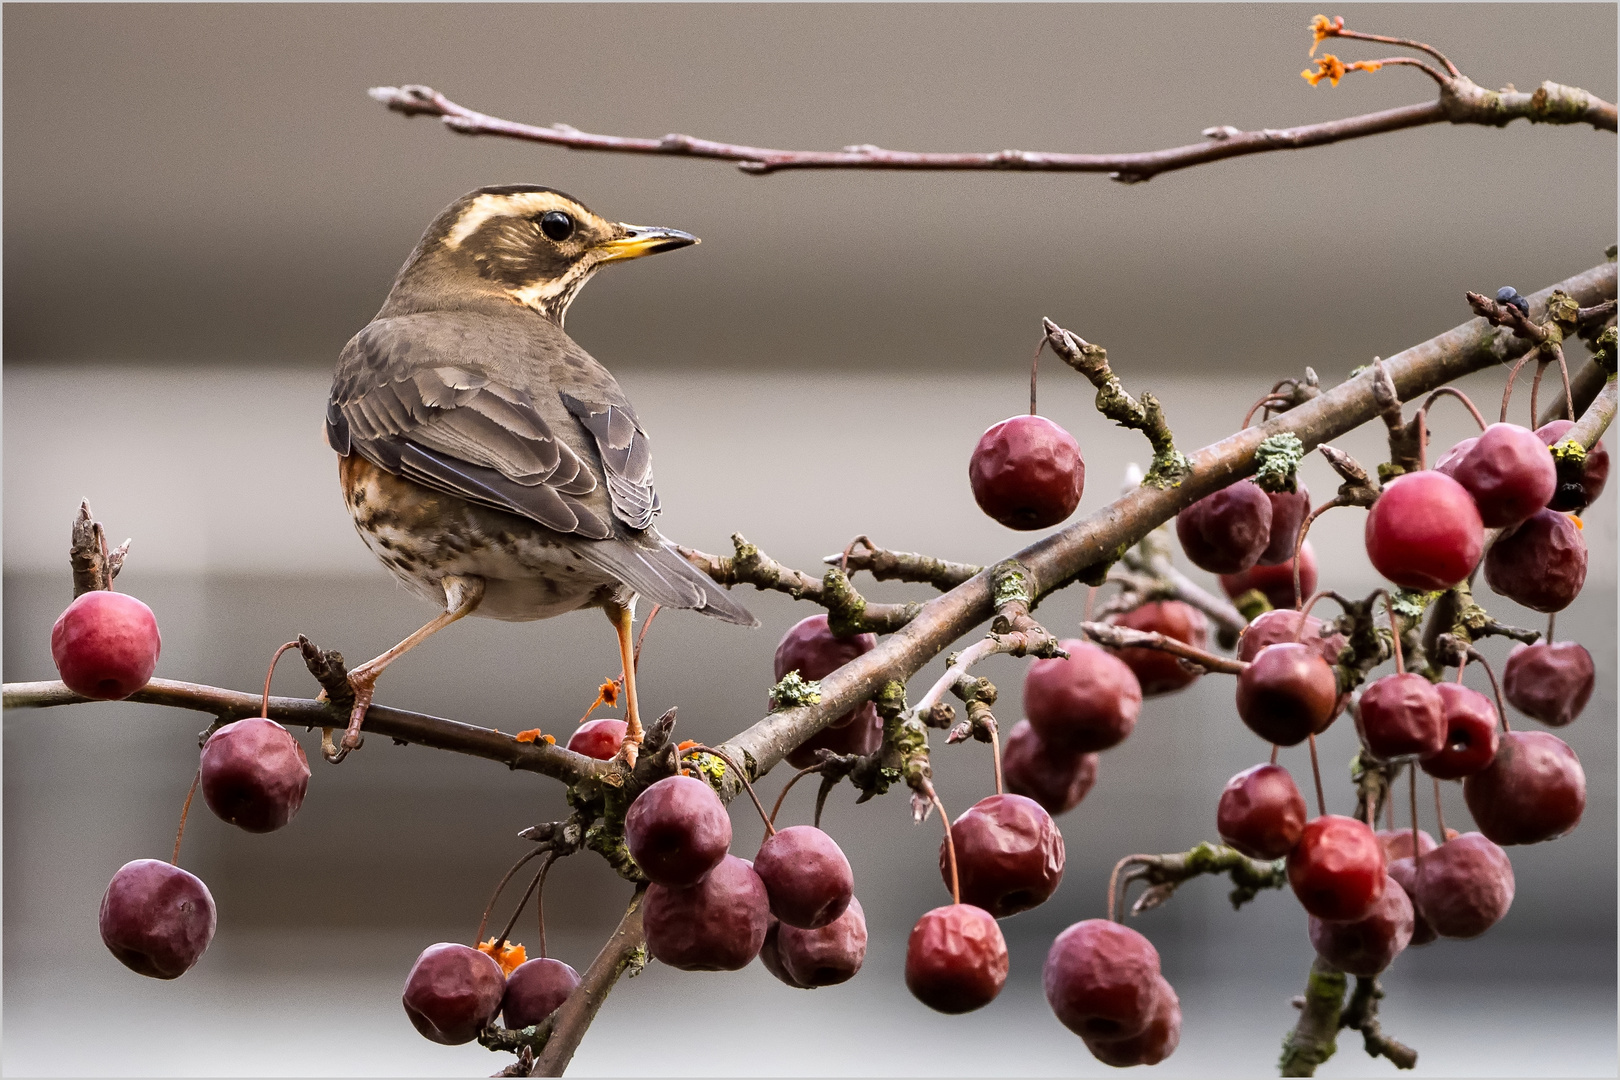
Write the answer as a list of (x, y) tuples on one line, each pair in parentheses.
[(201, 205)]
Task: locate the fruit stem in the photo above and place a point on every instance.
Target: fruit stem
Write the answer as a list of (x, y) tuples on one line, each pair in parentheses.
[(1535, 386), (1034, 364), (1473, 409), (1316, 774), (1552, 618), (995, 755), (1299, 545), (1274, 749), (174, 860), (1394, 632), (787, 787), (950, 842), (536, 853), (264, 707), (1501, 709), (1439, 813), (770, 829), (1412, 787), (538, 883), (1513, 373), (1267, 399)]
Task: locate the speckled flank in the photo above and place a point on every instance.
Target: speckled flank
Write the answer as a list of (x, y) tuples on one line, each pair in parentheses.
[(423, 536)]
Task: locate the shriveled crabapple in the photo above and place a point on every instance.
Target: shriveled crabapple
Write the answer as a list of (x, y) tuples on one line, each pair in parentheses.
[(1083, 703), (254, 774), (1464, 886), (806, 876), (1401, 715), (1337, 869), (1368, 945), (1057, 779), (536, 989), (1288, 512), (1101, 979), (677, 830), (1276, 582), (1550, 682), (1578, 485), (1471, 737), (717, 924), (827, 955), (1540, 563), (1009, 855), (814, 651), (1261, 812), (1509, 471), (1287, 693), (956, 959), (1533, 790), (1227, 531), (453, 992), (1027, 473), (156, 918)]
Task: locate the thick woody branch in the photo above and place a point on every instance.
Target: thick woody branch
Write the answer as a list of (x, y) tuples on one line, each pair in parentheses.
[(1313, 1039), (848, 612), (1597, 418), (397, 724), (1461, 102), (1361, 1014), (1123, 637), (624, 953), (1169, 464), (1106, 535)]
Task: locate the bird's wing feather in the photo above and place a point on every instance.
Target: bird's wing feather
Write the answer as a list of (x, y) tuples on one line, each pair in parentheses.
[(659, 574), (413, 410), (626, 458)]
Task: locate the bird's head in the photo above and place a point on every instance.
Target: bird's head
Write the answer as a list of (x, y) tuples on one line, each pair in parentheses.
[(535, 245)]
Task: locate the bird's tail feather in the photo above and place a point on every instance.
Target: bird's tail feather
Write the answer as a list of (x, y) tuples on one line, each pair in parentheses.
[(662, 576)]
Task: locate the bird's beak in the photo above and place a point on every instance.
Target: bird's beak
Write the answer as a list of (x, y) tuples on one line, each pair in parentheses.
[(639, 240)]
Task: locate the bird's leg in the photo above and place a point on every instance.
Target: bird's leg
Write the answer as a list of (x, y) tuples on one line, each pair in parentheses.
[(461, 596), (622, 617)]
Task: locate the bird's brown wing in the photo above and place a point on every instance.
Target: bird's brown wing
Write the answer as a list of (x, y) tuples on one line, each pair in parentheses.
[(626, 458), (411, 408)]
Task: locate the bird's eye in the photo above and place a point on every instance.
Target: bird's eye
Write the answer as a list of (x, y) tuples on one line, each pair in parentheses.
[(557, 225)]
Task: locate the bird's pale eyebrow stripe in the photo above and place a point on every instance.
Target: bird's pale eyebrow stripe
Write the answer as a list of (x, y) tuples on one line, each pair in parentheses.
[(522, 204)]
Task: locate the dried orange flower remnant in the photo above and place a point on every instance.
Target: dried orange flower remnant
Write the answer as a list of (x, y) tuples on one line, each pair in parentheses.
[(511, 955), (1323, 28), (1333, 69), (534, 733)]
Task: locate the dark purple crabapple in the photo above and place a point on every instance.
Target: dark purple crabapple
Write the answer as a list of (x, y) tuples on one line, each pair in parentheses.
[(1371, 943), (1577, 488), (716, 925), (254, 774), (806, 876), (1009, 855), (811, 649), (1540, 563), (1276, 583), (1287, 693), (1403, 872), (1464, 886), (453, 992), (827, 955), (536, 989), (1101, 979), (1471, 738), (1402, 715), (1227, 531), (1510, 473), (1261, 812), (1288, 512), (677, 831), (1027, 473), (1155, 1042), (1549, 682), (1083, 703), (1533, 790), (1057, 779), (156, 918), (956, 959)]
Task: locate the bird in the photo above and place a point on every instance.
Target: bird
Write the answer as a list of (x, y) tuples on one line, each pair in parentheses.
[(491, 464)]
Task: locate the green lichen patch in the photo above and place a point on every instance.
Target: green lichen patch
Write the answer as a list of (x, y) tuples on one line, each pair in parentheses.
[(795, 690), (1277, 462)]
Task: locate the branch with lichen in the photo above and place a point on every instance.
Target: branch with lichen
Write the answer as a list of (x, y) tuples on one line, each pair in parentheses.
[(1313, 1038), (1164, 873), (1170, 466), (886, 565), (848, 612)]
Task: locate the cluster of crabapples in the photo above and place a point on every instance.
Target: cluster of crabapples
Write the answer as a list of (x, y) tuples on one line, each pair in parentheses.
[(156, 918), (1368, 894)]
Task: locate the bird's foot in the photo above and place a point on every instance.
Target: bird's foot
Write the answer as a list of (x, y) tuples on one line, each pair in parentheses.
[(364, 685)]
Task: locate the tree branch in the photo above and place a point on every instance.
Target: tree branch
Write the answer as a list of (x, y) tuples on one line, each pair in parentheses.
[(625, 952), (1123, 637), (1361, 1014), (1460, 102), (1056, 560), (848, 612), (1313, 1039), (398, 724), (1164, 873), (886, 565)]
